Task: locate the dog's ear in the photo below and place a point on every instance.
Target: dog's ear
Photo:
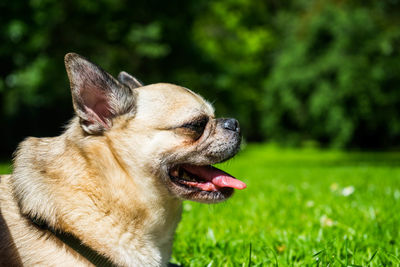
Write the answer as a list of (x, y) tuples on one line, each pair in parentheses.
[(97, 97), (129, 80)]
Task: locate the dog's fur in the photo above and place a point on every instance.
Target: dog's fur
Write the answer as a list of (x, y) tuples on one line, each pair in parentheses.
[(105, 180)]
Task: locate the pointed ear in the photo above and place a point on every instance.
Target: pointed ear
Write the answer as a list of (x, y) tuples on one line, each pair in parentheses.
[(97, 97), (129, 80)]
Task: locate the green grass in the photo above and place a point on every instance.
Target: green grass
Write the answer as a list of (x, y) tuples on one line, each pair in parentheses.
[(5, 168), (299, 210), (295, 212)]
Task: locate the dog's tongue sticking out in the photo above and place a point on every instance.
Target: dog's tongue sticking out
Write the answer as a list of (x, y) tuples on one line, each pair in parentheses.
[(215, 178)]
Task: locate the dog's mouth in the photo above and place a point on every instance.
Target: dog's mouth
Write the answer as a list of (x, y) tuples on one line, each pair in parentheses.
[(204, 183)]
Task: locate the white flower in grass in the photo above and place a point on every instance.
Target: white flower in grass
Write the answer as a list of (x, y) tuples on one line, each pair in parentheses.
[(396, 194), (347, 191), (310, 204), (187, 206), (325, 221)]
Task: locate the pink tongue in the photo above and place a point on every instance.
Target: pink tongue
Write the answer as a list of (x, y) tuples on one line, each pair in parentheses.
[(215, 176)]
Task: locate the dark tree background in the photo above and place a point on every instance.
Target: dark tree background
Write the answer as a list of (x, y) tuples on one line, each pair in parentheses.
[(297, 72)]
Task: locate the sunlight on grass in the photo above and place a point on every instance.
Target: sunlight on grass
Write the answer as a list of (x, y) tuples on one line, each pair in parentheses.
[(301, 207)]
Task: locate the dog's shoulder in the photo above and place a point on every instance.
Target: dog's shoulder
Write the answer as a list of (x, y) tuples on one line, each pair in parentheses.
[(35, 161), (35, 155), (34, 148), (24, 244)]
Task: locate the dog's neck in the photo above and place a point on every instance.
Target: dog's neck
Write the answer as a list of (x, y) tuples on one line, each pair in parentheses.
[(116, 209)]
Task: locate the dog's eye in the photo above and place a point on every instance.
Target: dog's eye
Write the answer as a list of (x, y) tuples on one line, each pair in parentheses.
[(196, 127)]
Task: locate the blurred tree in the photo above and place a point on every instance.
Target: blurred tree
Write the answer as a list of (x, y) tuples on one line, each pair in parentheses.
[(236, 37), (145, 38), (291, 71), (336, 78)]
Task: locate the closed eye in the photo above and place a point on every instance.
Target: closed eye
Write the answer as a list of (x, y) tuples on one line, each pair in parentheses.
[(196, 126)]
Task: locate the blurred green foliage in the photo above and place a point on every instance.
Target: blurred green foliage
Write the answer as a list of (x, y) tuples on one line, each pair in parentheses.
[(299, 72), (336, 77)]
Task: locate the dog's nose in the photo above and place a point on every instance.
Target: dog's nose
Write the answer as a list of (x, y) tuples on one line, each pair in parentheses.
[(231, 124)]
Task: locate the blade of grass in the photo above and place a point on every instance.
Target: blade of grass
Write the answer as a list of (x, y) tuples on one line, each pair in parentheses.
[(372, 257), (249, 264)]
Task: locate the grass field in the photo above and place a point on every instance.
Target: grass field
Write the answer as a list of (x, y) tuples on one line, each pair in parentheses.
[(5, 168), (301, 208)]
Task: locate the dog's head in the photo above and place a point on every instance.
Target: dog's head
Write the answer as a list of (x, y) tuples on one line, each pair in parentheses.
[(163, 129)]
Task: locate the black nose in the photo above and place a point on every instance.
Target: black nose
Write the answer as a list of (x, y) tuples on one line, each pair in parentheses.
[(231, 124)]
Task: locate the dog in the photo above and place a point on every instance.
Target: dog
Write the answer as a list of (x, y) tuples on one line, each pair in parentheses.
[(109, 190)]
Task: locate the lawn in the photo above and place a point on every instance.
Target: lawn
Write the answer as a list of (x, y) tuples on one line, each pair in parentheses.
[(301, 208), (5, 168)]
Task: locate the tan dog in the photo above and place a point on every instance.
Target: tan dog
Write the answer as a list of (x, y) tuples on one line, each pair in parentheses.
[(109, 190)]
